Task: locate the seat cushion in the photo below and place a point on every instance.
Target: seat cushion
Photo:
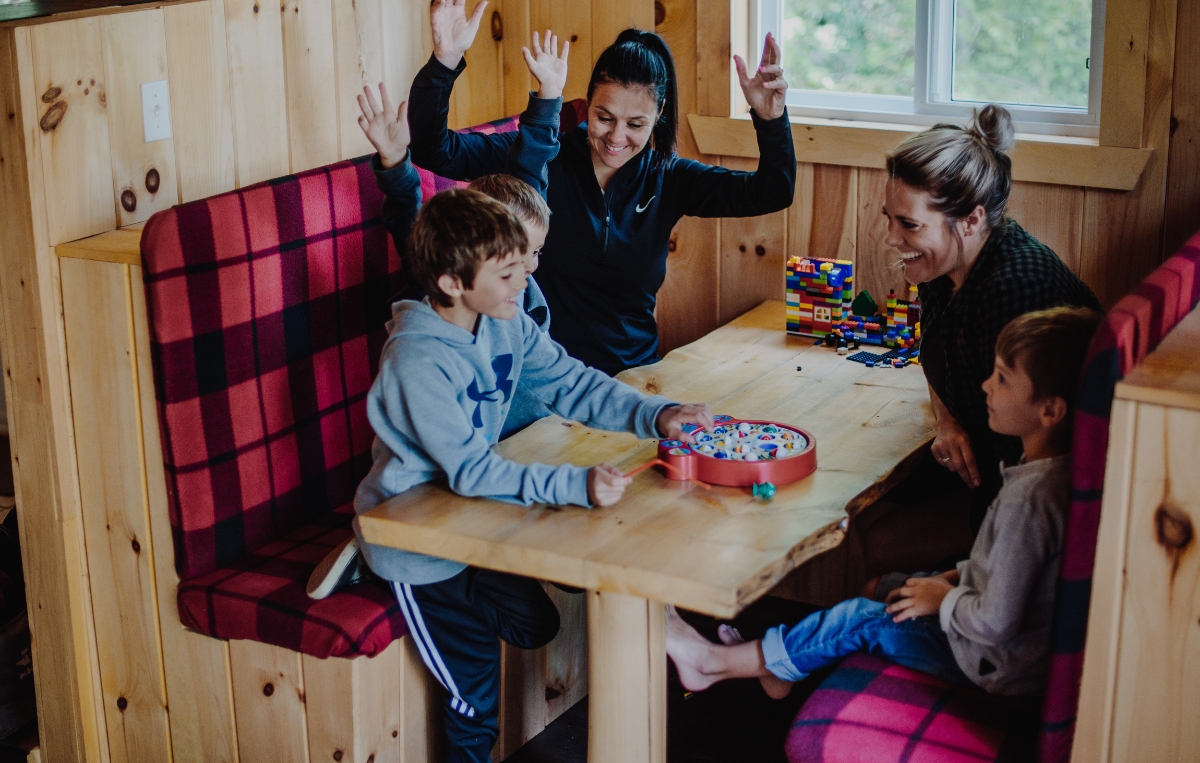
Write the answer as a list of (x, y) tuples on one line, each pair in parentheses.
[(262, 597), (870, 710)]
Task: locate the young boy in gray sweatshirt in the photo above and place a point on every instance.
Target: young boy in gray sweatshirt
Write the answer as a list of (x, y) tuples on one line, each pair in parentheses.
[(446, 379), (986, 622)]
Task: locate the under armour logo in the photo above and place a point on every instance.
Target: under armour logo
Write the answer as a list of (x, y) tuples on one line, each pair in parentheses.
[(502, 367), (643, 207)]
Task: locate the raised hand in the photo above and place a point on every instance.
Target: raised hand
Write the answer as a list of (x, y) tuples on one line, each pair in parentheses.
[(453, 32), (766, 91), (386, 129), (545, 64)]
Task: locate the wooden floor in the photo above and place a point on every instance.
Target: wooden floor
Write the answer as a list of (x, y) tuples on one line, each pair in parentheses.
[(733, 721)]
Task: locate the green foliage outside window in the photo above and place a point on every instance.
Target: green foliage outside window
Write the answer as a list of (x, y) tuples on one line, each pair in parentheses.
[(1009, 51)]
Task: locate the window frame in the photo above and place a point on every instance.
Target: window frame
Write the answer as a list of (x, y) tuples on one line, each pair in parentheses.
[(930, 104)]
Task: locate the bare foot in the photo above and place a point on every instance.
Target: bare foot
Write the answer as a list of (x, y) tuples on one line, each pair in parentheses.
[(691, 653), (774, 686)]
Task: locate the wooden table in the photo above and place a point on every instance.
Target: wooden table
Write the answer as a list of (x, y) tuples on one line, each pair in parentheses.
[(666, 541)]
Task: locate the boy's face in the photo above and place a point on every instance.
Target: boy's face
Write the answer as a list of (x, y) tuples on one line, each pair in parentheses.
[(537, 239), (1010, 404), (498, 283)]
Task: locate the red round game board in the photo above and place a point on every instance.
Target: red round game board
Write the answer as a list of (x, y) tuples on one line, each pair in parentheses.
[(741, 452)]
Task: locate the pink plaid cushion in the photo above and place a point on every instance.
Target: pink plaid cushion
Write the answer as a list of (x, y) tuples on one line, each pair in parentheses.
[(871, 710), (267, 308), (261, 597)]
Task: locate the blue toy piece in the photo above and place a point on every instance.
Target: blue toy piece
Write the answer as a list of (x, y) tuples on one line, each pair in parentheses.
[(763, 490)]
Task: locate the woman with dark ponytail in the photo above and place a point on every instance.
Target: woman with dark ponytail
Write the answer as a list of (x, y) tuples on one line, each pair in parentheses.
[(615, 186)]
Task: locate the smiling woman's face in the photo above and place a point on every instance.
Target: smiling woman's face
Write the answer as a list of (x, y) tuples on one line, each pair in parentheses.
[(927, 245), (620, 121)]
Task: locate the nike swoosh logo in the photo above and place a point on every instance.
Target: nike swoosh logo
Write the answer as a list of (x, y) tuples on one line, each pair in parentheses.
[(643, 207)]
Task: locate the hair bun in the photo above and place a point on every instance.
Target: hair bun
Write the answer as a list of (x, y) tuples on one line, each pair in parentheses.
[(993, 125)]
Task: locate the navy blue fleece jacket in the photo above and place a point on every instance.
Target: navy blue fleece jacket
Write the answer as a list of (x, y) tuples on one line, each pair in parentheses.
[(606, 254)]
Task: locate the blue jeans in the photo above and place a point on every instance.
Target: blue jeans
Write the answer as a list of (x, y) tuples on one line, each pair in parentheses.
[(859, 625)]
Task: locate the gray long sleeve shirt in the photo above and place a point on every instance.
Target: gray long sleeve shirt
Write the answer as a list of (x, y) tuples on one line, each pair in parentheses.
[(998, 618)]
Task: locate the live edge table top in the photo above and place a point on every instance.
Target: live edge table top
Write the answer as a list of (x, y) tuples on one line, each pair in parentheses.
[(709, 551)]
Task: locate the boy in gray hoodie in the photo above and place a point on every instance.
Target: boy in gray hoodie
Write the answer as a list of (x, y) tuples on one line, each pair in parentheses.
[(987, 622)]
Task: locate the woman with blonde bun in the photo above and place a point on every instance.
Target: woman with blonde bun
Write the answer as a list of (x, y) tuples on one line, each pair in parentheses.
[(976, 269)]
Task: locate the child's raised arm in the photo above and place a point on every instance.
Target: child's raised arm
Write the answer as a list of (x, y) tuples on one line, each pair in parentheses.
[(386, 129), (547, 65)]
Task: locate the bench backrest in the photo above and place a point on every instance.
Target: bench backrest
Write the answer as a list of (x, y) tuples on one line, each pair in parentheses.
[(1130, 331), (266, 308)]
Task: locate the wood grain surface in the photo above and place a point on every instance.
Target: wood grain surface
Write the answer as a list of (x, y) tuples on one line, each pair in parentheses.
[(710, 552)]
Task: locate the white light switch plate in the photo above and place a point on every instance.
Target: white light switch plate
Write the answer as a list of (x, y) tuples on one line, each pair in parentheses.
[(156, 111)]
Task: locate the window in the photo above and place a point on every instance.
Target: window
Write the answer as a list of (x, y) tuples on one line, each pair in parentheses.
[(923, 61)]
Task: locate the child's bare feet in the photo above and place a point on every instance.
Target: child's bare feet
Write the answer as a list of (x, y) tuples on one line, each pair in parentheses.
[(691, 652), (773, 685)]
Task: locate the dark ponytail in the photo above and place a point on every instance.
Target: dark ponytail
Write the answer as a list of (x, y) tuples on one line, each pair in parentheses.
[(643, 59)]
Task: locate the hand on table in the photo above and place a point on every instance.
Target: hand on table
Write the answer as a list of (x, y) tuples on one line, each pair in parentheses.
[(918, 597), (670, 420), (453, 32), (547, 65), (387, 130), (952, 449), (766, 91), (606, 485)]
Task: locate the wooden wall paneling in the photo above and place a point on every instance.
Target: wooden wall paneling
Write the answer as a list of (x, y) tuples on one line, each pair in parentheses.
[(313, 102), (201, 120), (835, 212), (676, 24), (1124, 75), (876, 266), (800, 214), (64, 661), (1098, 682), (539, 685), (105, 402), (353, 706), (611, 17), (257, 89), (1183, 170), (479, 92), (422, 702), (358, 44), (135, 51), (1122, 232), (196, 666), (1156, 695), (68, 73), (713, 63), (407, 44), (752, 256), (515, 26), (566, 655), (570, 21), (1053, 214), (268, 702), (687, 301)]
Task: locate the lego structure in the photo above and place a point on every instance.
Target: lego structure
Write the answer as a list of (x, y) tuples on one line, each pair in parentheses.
[(819, 297)]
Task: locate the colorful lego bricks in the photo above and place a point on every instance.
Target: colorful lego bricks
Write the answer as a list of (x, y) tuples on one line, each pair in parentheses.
[(819, 293)]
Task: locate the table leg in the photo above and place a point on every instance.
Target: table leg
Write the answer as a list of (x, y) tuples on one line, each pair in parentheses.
[(627, 679)]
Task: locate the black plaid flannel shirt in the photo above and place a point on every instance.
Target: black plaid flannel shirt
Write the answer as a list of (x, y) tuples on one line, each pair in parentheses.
[(1013, 275)]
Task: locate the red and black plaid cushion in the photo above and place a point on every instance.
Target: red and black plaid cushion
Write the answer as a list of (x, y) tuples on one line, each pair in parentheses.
[(870, 710), (267, 308), (261, 597)]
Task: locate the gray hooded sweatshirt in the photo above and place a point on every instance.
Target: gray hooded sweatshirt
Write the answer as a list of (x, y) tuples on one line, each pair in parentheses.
[(439, 403)]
